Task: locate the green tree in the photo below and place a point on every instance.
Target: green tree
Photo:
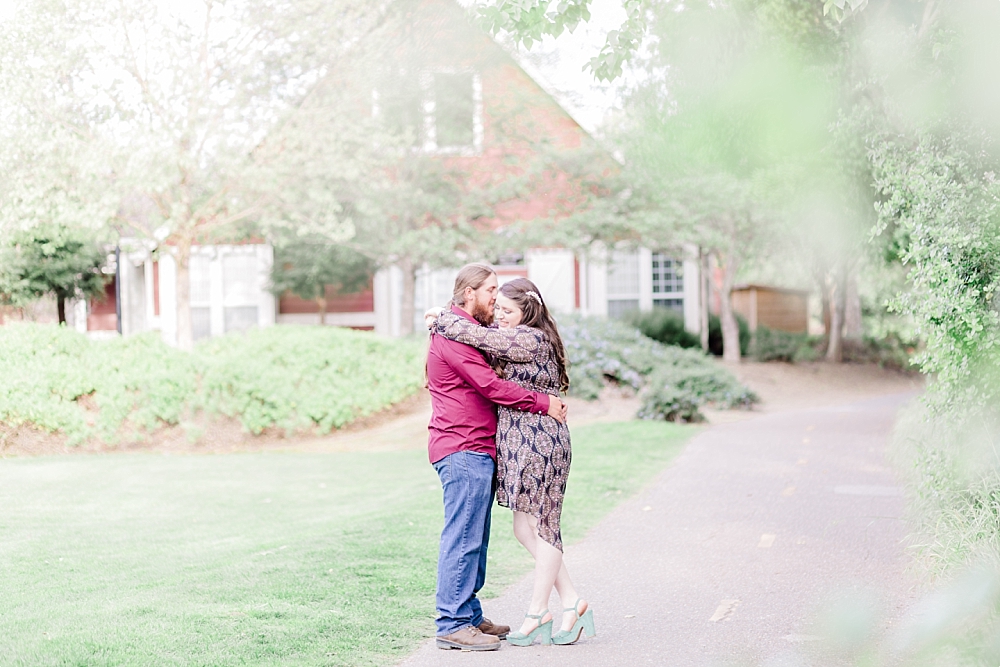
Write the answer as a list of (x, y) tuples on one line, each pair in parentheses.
[(188, 124), (941, 199), (747, 134), (423, 211), (427, 204), (306, 267), (52, 260), (727, 111)]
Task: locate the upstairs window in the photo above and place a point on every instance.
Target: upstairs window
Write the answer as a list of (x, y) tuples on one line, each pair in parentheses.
[(454, 110), (438, 112), (400, 105)]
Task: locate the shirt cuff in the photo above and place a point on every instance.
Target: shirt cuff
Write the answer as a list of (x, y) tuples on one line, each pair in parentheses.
[(544, 401)]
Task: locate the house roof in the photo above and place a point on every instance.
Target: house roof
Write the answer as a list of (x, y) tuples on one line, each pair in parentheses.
[(771, 288), (449, 10)]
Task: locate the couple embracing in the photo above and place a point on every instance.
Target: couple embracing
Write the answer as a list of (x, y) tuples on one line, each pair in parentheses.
[(495, 369)]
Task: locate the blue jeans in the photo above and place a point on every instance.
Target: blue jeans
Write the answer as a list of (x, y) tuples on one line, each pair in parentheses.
[(468, 482)]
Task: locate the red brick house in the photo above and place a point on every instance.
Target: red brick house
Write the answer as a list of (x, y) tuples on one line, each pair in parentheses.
[(495, 111), (473, 106)]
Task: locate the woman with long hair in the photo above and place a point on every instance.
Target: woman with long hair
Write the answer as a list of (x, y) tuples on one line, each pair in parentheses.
[(533, 451)]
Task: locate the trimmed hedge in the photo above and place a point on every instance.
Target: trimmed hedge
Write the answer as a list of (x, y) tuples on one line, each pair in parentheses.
[(663, 325), (715, 335), (775, 345), (667, 326), (297, 378), (288, 377), (59, 380)]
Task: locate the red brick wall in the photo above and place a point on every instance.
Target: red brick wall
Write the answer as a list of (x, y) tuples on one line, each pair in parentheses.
[(102, 316), (362, 302), (519, 117)]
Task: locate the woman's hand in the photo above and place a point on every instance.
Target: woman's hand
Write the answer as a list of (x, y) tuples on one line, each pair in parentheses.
[(431, 316)]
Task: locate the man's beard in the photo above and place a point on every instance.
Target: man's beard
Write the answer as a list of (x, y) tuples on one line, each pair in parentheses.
[(482, 314)]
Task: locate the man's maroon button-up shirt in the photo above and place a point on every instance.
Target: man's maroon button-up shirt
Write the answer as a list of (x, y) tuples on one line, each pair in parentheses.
[(464, 393)]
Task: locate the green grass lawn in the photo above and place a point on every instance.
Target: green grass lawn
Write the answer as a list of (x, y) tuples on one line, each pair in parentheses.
[(256, 559)]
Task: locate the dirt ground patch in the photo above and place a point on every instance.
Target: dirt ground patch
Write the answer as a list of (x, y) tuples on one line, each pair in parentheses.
[(783, 386), (780, 387), (404, 426)]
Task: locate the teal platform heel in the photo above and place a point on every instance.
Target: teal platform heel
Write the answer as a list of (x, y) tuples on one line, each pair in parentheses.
[(544, 630), (584, 625)]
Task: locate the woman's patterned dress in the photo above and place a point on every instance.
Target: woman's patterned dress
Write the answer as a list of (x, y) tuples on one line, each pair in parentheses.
[(533, 451)]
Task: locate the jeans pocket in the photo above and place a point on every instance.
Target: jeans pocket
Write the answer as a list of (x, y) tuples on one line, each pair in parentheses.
[(482, 466), (443, 469)]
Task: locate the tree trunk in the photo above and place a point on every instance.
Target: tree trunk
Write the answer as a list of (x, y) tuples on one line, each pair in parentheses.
[(835, 347), (185, 333), (853, 324), (321, 302), (61, 307), (822, 278), (706, 294), (730, 328), (408, 310)]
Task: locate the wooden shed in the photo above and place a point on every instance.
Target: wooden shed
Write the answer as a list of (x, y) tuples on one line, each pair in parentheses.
[(773, 307)]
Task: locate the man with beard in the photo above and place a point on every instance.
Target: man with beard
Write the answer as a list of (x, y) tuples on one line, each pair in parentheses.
[(462, 448)]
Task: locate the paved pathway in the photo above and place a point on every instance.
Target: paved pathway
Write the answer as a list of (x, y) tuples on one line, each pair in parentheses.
[(755, 525)]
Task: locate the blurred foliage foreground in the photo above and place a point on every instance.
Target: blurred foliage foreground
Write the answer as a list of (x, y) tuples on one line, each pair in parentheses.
[(951, 471), (287, 377)]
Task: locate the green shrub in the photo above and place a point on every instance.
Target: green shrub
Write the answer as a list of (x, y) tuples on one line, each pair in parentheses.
[(297, 377), (601, 350), (954, 484), (667, 326), (674, 382), (775, 345), (676, 392), (715, 335), (59, 380), (663, 325), (888, 352)]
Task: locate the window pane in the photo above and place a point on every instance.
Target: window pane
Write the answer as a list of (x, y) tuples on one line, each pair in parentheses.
[(239, 279), (401, 107), (240, 318), (201, 323), (454, 107), (623, 274), (667, 278), (201, 286), (619, 307), (671, 304)]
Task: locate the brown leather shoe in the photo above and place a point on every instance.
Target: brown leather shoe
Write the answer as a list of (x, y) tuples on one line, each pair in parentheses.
[(469, 639), (488, 627)]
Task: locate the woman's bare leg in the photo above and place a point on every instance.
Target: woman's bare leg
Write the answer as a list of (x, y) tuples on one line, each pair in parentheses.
[(524, 533), (549, 570)]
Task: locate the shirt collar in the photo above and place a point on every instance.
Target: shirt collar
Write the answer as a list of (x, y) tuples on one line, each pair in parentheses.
[(461, 313)]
